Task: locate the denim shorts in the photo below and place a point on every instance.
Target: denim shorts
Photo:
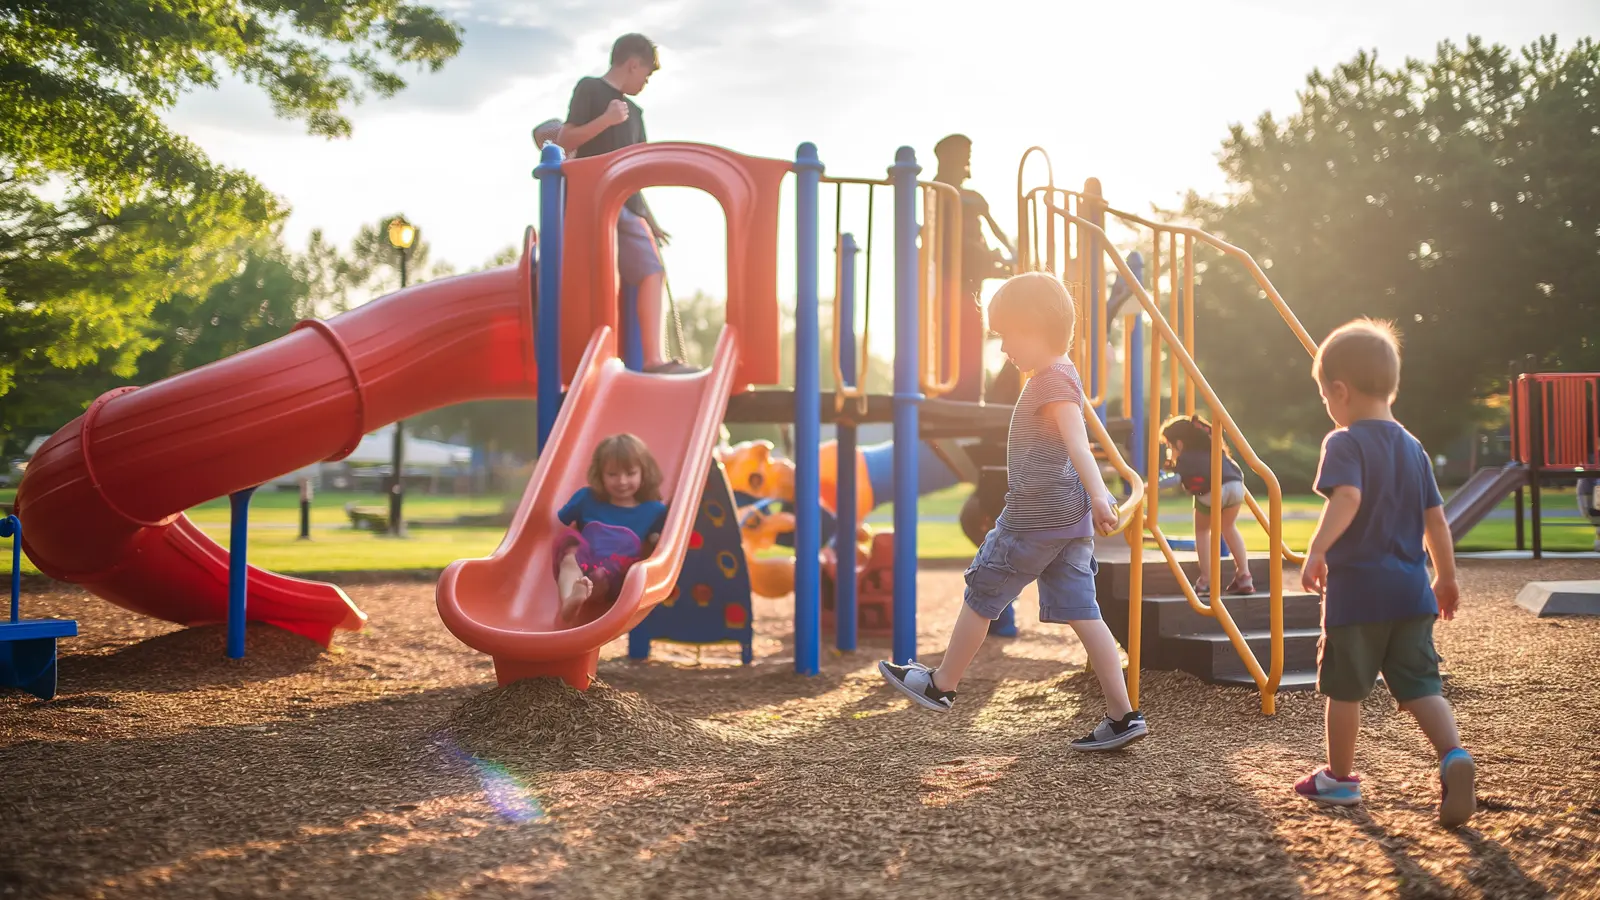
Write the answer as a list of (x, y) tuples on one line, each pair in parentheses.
[(637, 258), (1232, 495), (1009, 561)]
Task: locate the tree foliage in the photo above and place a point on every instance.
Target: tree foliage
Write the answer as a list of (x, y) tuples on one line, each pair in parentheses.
[(1455, 196)]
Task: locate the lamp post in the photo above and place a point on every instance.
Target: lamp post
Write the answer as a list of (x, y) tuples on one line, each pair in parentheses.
[(402, 235)]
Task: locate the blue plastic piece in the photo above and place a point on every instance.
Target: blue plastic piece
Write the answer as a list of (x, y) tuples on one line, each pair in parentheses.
[(711, 603), (547, 340), (907, 398), (632, 333), (807, 421), (28, 646), (238, 568), (844, 596)]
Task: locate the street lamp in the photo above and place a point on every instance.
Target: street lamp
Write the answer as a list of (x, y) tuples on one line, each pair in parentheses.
[(402, 235)]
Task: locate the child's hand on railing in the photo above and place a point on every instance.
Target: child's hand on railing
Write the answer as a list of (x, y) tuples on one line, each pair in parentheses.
[(1105, 514)]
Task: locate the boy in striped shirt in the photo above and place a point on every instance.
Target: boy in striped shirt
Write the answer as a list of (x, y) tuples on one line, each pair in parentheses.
[(1055, 503)]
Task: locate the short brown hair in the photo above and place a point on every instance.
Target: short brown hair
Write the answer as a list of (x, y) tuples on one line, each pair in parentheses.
[(635, 46), (1035, 300), (628, 451), (1364, 354)]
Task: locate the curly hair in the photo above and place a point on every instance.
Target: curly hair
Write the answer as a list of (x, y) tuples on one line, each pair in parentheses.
[(626, 451)]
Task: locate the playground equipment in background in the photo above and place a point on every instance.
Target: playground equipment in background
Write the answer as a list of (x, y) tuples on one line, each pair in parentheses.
[(28, 646), (710, 604), (105, 495), (1555, 433)]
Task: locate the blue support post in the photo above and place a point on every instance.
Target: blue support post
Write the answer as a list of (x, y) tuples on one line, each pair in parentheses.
[(1141, 417), (547, 337), (807, 422), (11, 527), (907, 397), (1096, 313), (632, 329), (844, 534), (238, 569)]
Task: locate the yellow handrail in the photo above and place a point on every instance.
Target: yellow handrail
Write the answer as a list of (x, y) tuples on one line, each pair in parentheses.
[(842, 391), (1024, 262), (940, 285), (1267, 681)]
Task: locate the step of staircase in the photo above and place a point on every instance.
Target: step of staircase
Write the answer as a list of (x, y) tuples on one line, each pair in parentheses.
[(1291, 681), (1112, 581), (1212, 656)]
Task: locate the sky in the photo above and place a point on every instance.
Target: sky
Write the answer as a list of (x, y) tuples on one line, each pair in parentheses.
[(1140, 96)]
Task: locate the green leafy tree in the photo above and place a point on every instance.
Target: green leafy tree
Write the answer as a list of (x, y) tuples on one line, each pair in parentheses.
[(1455, 196), (105, 213)]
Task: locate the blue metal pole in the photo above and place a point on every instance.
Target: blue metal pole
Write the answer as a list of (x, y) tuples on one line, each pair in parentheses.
[(907, 396), (547, 338), (238, 569), (807, 422), (1141, 457), (632, 329), (1096, 313), (844, 533), (11, 527)]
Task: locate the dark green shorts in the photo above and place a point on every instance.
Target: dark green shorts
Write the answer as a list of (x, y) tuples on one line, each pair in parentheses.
[(1350, 657)]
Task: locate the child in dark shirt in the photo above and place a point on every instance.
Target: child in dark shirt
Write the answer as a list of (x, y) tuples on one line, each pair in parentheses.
[(1383, 521), (1188, 440), (612, 523)]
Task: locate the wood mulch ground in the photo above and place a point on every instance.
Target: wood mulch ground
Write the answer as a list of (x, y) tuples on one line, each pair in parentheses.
[(391, 768)]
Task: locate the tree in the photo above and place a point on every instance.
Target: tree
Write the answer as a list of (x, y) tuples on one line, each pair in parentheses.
[(1454, 196), (145, 214)]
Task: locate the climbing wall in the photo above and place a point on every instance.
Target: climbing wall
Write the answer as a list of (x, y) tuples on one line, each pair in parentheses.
[(711, 602)]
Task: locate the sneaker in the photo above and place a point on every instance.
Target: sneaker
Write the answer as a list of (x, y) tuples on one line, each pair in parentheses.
[(1457, 798), (1322, 787), (672, 367), (1202, 587), (1113, 733), (915, 680)]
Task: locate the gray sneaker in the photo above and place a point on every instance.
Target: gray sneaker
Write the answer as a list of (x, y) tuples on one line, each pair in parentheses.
[(915, 680), (1111, 733)]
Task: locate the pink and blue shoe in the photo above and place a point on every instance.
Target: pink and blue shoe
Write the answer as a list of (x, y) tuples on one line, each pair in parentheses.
[(1323, 787)]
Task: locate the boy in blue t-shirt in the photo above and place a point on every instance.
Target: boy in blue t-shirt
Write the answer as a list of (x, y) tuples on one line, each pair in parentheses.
[(1368, 561)]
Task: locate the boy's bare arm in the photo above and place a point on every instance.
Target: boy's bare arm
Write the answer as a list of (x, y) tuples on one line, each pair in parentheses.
[(1069, 420), (1442, 550), (1337, 514)]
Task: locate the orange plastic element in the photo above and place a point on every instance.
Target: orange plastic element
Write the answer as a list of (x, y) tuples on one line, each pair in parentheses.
[(759, 530), (828, 463), (753, 470), (104, 497), (505, 605), (771, 576), (748, 188)]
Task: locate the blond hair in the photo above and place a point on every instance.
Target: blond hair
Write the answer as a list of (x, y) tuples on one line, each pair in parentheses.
[(627, 451), (1364, 354), (1035, 301)]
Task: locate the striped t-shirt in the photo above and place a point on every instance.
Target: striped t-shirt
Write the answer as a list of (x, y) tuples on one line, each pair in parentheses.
[(1043, 490)]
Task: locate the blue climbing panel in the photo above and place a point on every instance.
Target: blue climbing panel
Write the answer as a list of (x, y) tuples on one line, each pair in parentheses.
[(28, 646), (711, 602)]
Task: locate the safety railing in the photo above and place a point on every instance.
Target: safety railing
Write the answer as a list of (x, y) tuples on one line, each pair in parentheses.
[(1165, 336), (938, 284), (1556, 420)]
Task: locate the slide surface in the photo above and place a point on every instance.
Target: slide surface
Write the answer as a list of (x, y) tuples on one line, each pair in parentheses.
[(505, 604), (103, 499), (1465, 508)]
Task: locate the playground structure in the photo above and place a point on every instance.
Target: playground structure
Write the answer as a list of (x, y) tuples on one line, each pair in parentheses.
[(1555, 433), (104, 496)]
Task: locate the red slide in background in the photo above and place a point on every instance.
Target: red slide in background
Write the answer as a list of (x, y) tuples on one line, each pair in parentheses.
[(505, 605), (103, 499)]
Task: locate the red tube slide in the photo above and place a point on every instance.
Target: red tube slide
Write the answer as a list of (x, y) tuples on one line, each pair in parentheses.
[(505, 605), (102, 503)]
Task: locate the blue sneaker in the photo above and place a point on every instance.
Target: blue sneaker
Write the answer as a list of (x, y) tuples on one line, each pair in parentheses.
[(1322, 787), (1458, 799)]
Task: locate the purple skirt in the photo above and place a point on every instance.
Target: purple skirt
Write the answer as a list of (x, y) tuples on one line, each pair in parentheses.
[(604, 554)]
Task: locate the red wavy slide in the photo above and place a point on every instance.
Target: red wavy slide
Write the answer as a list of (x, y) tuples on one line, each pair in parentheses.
[(505, 605), (103, 499)]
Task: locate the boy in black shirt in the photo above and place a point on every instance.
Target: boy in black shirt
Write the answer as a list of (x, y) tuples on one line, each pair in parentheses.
[(601, 118)]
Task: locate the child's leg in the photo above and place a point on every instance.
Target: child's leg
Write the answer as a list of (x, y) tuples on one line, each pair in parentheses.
[(1343, 722), (571, 584), (966, 638), (1106, 662), (1411, 669), (1202, 541), (1438, 722), (1235, 541)]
